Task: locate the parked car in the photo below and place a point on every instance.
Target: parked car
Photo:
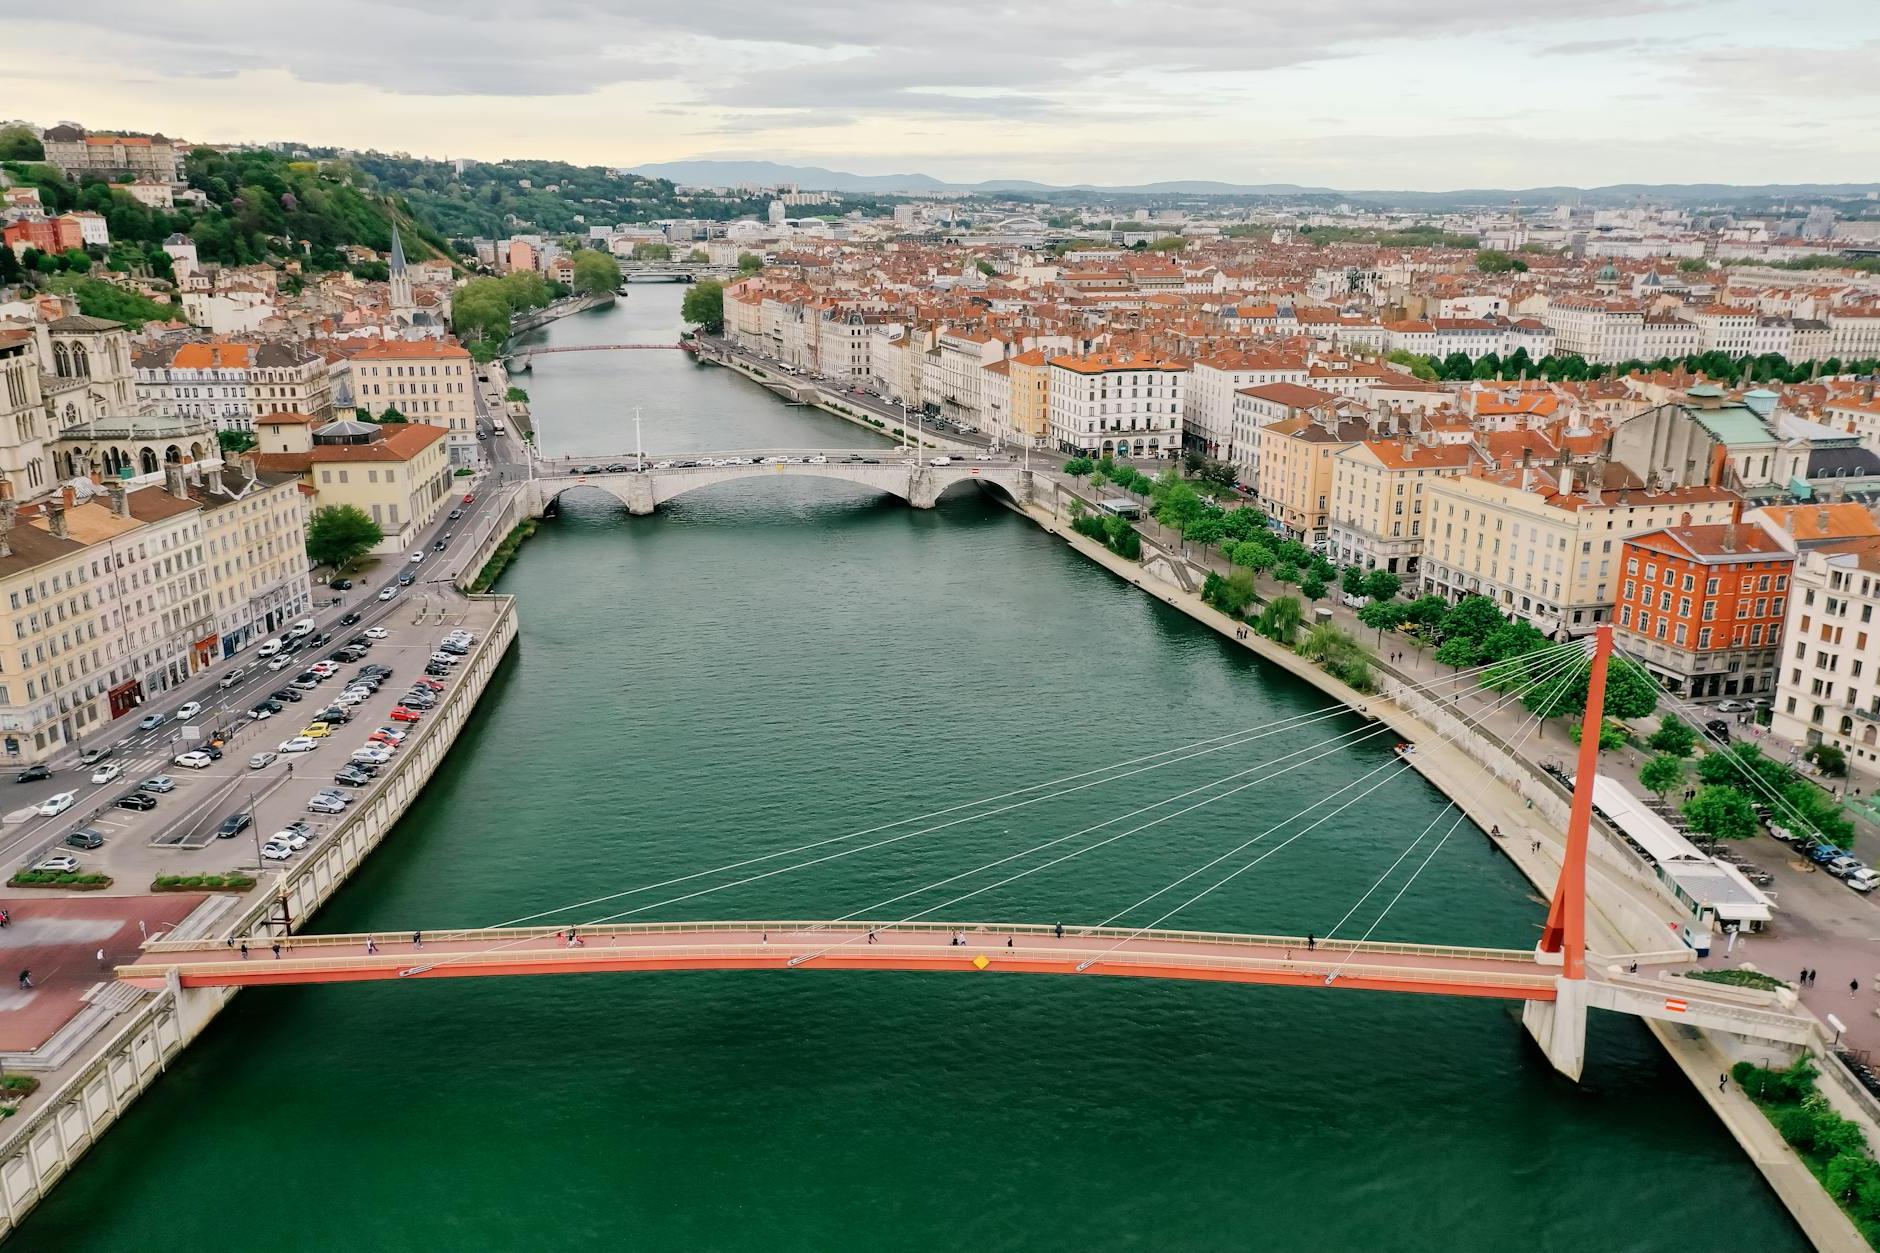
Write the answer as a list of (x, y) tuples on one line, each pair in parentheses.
[(58, 863), (194, 759), (1822, 854), (351, 776), (325, 805), (445, 659), (316, 730), (299, 744), (302, 626), (187, 710), (373, 753), (140, 801), (107, 772), (232, 826), (33, 774), (332, 715), (261, 760), (274, 850), (375, 633), (288, 694), (85, 837), (296, 834), (404, 713), (157, 783), (306, 682), (340, 585), (1863, 880), (1843, 866), (150, 722), (1732, 707), (57, 804)]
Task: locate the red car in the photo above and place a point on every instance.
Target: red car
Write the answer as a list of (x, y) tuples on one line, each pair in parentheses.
[(401, 714), (469, 498), (379, 737), (433, 684)]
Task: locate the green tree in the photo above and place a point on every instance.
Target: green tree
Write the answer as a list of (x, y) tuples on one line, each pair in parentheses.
[(1816, 811), (372, 271), (1351, 581), (1662, 773), (986, 267), (698, 256), (1382, 585), (1630, 692), (1512, 639), (704, 306), (749, 263), (1382, 616), (1828, 758), (77, 260), (339, 535), (595, 272), (1745, 766), (1459, 652), (10, 269), (1473, 616), (19, 144), (1341, 656), (1312, 588), (1722, 813), (1611, 735), (1494, 261), (391, 417), (649, 251), (1419, 366), (1673, 736), (235, 441), (1079, 467), (1280, 619)]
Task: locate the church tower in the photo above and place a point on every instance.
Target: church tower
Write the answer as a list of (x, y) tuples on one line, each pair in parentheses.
[(403, 306)]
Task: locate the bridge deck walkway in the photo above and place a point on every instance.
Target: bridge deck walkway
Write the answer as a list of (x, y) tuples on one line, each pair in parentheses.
[(991, 948)]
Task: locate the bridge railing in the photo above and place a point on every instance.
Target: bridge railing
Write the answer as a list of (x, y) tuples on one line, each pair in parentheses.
[(858, 927), (1096, 957)]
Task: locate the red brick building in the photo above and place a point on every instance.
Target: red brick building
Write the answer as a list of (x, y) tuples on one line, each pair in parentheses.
[(1702, 607), (45, 234)]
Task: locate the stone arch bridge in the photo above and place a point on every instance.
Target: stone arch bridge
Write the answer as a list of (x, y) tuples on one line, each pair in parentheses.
[(914, 479)]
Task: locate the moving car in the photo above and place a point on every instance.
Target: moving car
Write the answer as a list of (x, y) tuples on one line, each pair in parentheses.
[(150, 722), (106, 772), (261, 760), (302, 626), (456, 514), (347, 619), (231, 678), (417, 557), (407, 579), (232, 826), (469, 498), (187, 710), (92, 756), (389, 592), (281, 662), (57, 804), (268, 649), (33, 774), (1732, 706), (157, 783), (195, 760), (140, 801)]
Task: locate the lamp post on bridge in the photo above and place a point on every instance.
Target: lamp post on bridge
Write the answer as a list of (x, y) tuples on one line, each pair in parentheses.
[(639, 449)]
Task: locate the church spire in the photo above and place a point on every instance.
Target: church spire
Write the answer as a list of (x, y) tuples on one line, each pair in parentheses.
[(402, 301)]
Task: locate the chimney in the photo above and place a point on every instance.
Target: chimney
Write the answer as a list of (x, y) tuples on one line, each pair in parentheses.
[(1566, 479), (174, 482), (54, 509), (1866, 393), (1821, 519), (1594, 480), (120, 498), (1729, 538)]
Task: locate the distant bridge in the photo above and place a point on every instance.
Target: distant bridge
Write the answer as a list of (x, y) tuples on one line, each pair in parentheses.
[(524, 358), (898, 472)]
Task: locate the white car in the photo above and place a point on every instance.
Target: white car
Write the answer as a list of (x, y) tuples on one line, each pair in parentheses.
[(417, 557), (268, 649), (194, 760), (261, 760), (375, 633), (107, 772), (59, 863), (274, 850), (281, 663), (352, 696), (1731, 706), (187, 710), (326, 669), (291, 837), (389, 592), (299, 744), (57, 803)]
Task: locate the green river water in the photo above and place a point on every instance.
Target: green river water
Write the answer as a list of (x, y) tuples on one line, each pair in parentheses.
[(765, 664)]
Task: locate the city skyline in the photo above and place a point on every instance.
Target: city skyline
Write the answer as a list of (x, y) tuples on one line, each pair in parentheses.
[(1457, 95)]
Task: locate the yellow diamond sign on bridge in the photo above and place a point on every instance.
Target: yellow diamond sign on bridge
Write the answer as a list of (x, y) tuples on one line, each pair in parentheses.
[(982, 961)]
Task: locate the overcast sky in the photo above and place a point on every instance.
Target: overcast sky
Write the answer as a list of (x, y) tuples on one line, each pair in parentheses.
[(1426, 94)]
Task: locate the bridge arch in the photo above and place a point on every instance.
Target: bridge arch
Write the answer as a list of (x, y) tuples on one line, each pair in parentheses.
[(918, 485)]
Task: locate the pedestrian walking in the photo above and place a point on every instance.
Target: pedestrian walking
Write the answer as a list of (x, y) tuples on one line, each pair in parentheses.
[(276, 946), (417, 939), (1853, 986), (1495, 831), (1008, 941), (26, 978), (372, 946), (1311, 942), (1723, 1081), (1803, 977), (101, 959), (244, 950), (1060, 930)]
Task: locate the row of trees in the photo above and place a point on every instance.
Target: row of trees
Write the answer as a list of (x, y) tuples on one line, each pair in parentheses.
[(1770, 367), (481, 309), (1732, 782)]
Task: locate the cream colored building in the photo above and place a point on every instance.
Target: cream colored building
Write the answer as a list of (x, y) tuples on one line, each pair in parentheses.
[(1544, 541), (1378, 500), (1295, 479), (427, 381), (399, 475), (1828, 672), (254, 536), (1030, 374)]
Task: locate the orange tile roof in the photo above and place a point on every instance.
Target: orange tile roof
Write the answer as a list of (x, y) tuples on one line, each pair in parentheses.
[(423, 349)]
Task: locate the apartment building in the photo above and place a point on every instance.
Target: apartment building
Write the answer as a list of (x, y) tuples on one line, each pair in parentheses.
[(1029, 378), (1265, 405), (400, 475), (1828, 688), (1543, 541), (1295, 480), (233, 382), (1208, 424), (1378, 500), (428, 381), (1702, 607), (77, 153), (1117, 404)]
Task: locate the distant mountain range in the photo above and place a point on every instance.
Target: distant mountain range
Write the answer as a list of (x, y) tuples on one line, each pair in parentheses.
[(816, 178)]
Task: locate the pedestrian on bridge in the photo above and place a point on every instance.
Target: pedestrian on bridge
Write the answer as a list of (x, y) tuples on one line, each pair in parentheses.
[(372, 946), (417, 939), (276, 946), (1060, 930), (1853, 986), (26, 979), (1723, 1081), (244, 950), (1311, 942)]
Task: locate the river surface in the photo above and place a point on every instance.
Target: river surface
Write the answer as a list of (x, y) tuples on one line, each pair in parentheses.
[(762, 665)]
